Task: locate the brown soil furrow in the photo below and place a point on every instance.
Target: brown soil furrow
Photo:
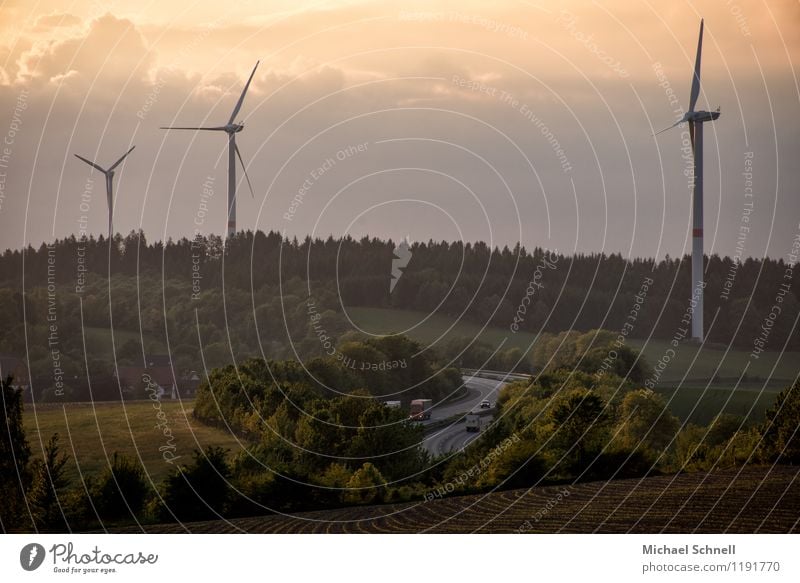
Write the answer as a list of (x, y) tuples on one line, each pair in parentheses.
[(725, 501)]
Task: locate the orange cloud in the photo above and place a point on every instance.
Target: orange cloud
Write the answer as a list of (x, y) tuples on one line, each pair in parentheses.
[(109, 50), (48, 22)]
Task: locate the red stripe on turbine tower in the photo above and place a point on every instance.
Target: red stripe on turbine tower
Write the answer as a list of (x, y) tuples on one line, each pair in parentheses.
[(697, 233)]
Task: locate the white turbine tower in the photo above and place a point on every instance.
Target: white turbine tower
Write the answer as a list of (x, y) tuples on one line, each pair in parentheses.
[(109, 174), (231, 129), (696, 120)]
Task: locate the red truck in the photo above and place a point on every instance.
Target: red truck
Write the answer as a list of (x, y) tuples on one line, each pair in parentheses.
[(421, 409)]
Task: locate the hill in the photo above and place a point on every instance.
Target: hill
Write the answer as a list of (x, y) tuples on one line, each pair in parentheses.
[(757, 499)]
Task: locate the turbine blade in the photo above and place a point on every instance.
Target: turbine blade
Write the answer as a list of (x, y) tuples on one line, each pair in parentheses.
[(241, 97), (696, 78), (244, 170), (691, 134), (90, 163), (217, 129), (117, 163), (680, 121)]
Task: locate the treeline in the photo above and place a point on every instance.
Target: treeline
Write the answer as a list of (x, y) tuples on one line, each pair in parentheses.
[(89, 307), (531, 290)]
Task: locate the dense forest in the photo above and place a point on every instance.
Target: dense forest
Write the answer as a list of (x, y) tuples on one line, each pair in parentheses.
[(265, 296)]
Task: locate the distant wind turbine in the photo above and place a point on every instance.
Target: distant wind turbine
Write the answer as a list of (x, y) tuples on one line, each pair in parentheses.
[(696, 120), (231, 129), (109, 174)]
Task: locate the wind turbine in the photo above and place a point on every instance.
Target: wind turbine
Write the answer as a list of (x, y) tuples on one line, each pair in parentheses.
[(109, 174), (231, 129), (696, 119)]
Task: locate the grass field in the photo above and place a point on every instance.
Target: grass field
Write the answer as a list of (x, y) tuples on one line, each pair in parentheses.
[(699, 384), (706, 378), (90, 434), (755, 500), (426, 329), (700, 405), (689, 366), (689, 362)]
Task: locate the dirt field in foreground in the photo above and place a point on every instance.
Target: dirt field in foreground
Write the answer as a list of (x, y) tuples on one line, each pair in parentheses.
[(753, 500)]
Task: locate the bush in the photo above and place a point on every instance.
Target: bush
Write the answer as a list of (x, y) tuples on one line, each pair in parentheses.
[(121, 491), (781, 429), (199, 491), (366, 486), (519, 466)]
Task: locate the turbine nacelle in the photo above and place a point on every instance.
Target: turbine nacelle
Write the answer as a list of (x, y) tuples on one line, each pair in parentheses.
[(234, 128), (701, 116)]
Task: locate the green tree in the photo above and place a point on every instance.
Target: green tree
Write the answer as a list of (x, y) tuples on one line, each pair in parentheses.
[(199, 491), (48, 489), (388, 435), (722, 428), (691, 451), (577, 423), (336, 476), (645, 422), (121, 490), (14, 456), (367, 485), (518, 466), (781, 428)]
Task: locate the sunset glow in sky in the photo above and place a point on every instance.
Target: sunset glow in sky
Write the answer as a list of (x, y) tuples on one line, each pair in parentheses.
[(505, 121)]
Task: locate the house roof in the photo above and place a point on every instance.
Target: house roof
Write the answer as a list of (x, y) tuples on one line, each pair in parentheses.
[(134, 375), (131, 375), (10, 364)]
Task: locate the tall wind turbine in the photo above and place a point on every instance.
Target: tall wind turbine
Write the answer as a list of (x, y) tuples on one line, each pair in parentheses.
[(696, 120), (109, 174), (231, 129)]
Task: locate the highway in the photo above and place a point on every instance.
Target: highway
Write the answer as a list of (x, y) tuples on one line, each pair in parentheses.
[(455, 436)]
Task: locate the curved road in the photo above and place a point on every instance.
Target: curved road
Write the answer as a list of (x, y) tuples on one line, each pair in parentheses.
[(455, 436)]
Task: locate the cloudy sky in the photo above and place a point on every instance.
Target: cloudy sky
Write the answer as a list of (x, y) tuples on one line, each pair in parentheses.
[(515, 121)]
